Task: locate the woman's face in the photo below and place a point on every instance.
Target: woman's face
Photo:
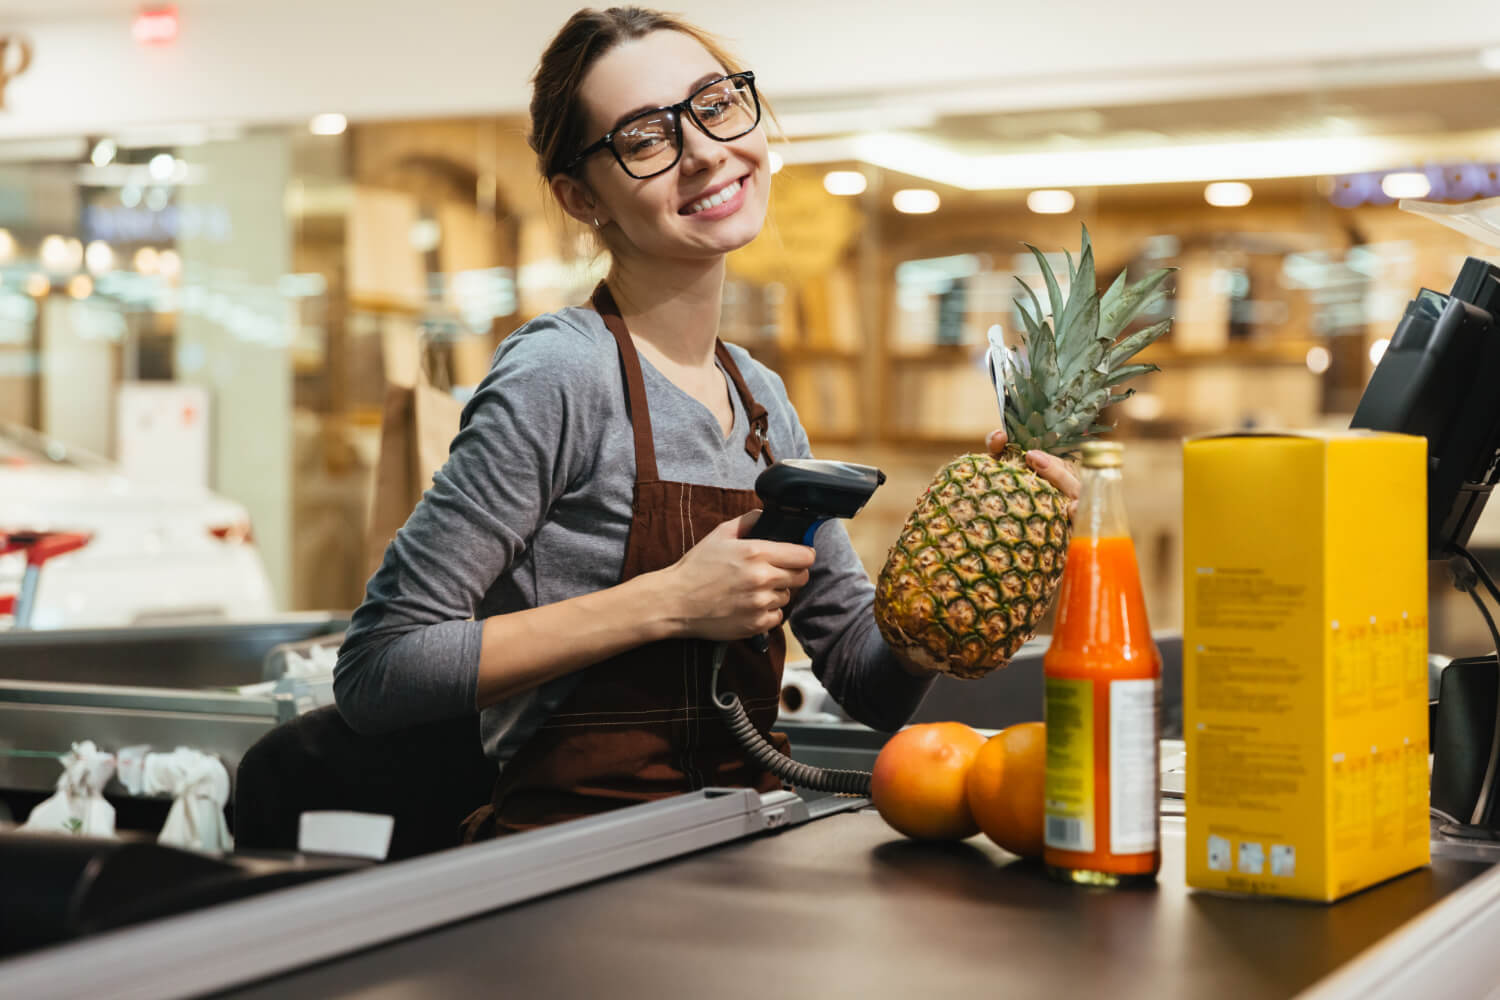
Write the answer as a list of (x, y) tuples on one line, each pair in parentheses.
[(666, 215)]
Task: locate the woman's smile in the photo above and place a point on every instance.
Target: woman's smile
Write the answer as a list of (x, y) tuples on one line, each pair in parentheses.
[(719, 203)]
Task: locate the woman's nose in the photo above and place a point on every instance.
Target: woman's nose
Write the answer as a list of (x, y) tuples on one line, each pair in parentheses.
[(699, 151)]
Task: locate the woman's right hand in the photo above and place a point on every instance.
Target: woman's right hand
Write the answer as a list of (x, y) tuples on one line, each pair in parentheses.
[(729, 587)]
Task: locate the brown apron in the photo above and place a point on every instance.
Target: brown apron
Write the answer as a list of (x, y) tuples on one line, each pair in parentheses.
[(642, 725)]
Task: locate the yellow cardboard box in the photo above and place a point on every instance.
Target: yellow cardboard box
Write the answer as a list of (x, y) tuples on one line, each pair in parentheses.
[(1305, 661)]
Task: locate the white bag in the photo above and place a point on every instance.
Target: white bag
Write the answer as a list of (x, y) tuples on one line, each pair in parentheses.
[(78, 808), (1478, 220), (199, 784)]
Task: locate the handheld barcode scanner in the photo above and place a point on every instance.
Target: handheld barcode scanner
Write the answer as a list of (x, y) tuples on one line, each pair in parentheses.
[(801, 493), (798, 495)]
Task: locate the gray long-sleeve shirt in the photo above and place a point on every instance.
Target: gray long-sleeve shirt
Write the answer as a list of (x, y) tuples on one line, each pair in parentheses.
[(534, 506)]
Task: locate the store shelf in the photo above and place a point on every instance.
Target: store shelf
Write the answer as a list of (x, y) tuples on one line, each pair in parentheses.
[(772, 353), (385, 305), (936, 354), (954, 442), (1290, 352)]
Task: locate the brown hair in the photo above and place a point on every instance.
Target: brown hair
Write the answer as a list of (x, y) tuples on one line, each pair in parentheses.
[(557, 118)]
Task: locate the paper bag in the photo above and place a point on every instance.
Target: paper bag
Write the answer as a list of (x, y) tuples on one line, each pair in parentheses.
[(78, 807), (199, 786), (416, 428)]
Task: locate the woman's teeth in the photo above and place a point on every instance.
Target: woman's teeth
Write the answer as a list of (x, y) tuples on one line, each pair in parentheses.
[(718, 198)]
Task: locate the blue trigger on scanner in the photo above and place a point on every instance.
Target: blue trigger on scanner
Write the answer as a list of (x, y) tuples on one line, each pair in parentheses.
[(812, 529)]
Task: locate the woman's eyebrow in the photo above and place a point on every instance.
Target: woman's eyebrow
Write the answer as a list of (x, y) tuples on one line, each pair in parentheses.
[(702, 81)]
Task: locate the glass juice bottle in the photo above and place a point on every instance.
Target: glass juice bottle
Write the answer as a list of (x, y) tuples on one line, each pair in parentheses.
[(1103, 680)]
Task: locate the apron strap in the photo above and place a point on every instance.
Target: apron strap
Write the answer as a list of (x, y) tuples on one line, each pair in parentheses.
[(757, 442), (635, 386)]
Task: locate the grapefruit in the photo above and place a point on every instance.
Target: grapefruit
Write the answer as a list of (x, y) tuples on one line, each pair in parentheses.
[(1005, 788), (917, 784)]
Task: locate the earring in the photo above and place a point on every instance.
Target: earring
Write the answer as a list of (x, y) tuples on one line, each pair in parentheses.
[(596, 222)]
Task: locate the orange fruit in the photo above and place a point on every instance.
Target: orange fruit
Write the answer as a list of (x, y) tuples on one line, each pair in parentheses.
[(917, 784), (1005, 787)]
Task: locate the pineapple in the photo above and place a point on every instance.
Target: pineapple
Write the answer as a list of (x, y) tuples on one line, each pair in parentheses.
[(978, 561)]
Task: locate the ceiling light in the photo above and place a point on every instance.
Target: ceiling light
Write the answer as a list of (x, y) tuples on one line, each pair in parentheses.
[(1227, 194), (1154, 163), (777, 162), (1050, 202), (852, 121), (328, 124), (1318, 360), (1377, 350), (81, 286), (844, 182), (38, 285), (104, 153), (59, 255), (99, 257), (916, 201), (169, 264), (1407, 184), (7, 246), (146, 260), (162, 166)]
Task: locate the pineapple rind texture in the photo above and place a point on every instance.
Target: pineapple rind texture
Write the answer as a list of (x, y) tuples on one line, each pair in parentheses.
[(974, 568)]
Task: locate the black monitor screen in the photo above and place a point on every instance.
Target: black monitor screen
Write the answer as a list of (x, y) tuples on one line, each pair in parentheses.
[(1440, 378)]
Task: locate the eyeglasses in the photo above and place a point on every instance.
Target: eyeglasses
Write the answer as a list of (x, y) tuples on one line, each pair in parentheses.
[(651, 142)]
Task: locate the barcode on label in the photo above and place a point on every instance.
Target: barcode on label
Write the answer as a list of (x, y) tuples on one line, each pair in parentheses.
[(1066, 834)]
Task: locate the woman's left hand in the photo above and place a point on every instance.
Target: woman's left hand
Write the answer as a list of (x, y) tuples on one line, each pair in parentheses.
[(1049, 467)]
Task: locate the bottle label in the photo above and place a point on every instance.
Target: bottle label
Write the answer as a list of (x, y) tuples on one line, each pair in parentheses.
[(1070, 765), (1134, 772)]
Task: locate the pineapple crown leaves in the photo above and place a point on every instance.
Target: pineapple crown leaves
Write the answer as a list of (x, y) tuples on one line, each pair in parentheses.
[(1078, 356)]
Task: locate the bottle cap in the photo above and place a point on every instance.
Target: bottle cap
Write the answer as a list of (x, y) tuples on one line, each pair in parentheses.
[(1103, 455)]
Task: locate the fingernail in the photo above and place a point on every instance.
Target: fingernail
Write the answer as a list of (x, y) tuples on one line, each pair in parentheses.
[(1037, 458)]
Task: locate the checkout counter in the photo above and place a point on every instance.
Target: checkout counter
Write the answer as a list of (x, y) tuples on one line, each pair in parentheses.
[(731, 893)]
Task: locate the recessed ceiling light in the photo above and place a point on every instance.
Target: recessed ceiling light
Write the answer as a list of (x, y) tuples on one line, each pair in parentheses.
[(1050, 202), (844, 182), (916, 201), (328, 124), (1227, 194), (1407, 184)]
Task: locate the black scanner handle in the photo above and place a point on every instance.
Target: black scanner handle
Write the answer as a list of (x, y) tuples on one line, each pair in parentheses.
[(781, 526), (799, 494)]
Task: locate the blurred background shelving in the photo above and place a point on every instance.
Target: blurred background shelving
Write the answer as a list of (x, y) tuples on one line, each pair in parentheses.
[(287, 257)]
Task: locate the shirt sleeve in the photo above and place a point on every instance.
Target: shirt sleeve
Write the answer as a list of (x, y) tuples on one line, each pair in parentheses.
[(411, 653), (833, 617)]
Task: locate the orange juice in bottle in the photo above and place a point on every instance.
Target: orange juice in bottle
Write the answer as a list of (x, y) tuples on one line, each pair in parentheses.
[(1103, 680)]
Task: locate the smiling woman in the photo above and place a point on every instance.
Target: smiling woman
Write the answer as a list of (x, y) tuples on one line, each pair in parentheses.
[(584, 549)]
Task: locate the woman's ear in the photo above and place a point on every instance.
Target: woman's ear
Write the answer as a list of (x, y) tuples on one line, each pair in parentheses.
[(577, 200)]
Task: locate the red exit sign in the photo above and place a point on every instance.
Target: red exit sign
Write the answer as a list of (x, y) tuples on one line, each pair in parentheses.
[(155, 25)]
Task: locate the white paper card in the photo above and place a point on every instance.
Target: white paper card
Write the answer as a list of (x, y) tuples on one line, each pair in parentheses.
[(351, 834)]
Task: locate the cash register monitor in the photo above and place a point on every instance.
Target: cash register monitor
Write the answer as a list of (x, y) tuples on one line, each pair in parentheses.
[(1440, 377)]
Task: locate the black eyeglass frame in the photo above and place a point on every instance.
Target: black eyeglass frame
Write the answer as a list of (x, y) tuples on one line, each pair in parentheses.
[(608, 141)]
